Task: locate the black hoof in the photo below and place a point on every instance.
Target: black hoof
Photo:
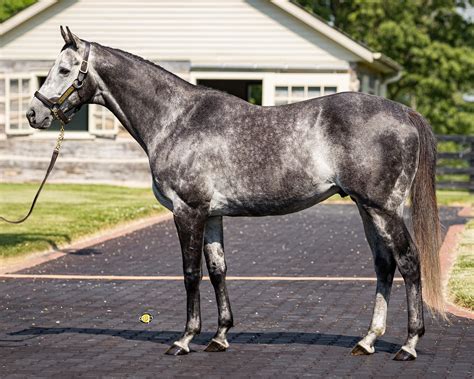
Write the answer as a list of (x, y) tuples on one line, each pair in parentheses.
[(404, 355), (359, 350), (214, 347), (176, 350)]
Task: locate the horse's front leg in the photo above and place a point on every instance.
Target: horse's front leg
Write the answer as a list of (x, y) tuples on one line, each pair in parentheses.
[(214, 253), (190, 225)]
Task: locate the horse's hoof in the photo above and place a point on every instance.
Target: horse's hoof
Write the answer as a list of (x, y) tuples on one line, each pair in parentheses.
[(404, 355), (361, 350), (215, 346), (176, 350)]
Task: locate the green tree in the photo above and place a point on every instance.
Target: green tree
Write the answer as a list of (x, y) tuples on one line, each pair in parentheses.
[(9, 8), (430, 38)]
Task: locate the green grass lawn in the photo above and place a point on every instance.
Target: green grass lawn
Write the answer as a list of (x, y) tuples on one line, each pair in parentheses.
[(65, 212), (461, 198), (461, 281)]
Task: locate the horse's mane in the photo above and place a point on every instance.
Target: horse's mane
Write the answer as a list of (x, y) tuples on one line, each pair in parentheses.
[(136, 58)]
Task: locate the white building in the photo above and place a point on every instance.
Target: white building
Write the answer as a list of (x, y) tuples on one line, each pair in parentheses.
[(265, 51)]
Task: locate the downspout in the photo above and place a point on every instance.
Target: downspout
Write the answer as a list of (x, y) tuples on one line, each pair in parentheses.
[(394, 78), (390, 79)]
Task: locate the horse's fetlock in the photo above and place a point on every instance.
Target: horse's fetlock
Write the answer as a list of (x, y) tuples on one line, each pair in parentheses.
[(226, 322), (421, 332), (193, 327), (379, 331)]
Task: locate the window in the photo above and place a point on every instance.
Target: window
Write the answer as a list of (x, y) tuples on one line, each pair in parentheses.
[(370, 84), (15, 97), (293, 94), (102, 121), (3, 118), (330, 90)]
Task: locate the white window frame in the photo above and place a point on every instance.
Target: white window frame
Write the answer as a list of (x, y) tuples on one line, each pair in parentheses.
[(341, 81), (289, 99), (16, 76), (95, 108)]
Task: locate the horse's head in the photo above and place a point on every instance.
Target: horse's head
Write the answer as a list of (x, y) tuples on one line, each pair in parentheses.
[(66, 87)]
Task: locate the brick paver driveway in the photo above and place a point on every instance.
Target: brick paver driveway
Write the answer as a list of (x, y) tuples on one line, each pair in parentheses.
[(51, 327)]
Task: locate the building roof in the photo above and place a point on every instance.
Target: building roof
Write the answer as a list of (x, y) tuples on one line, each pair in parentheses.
[(365, 54), (336, 34)]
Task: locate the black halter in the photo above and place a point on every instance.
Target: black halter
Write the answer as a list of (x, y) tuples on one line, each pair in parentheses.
[(54, 104)]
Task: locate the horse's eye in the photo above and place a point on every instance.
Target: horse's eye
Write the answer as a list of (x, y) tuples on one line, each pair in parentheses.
[(64, 71)]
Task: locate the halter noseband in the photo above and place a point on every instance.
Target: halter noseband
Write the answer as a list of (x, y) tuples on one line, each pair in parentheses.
[(54, 104)]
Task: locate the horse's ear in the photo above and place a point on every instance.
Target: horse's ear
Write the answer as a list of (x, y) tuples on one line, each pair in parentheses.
[(73, 40), (64, 35)]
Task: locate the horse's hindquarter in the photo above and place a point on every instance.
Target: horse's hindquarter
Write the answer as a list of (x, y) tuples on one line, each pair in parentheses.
[(374, 147)]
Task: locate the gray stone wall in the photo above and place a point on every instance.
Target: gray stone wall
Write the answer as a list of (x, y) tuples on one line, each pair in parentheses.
[(118, 161)]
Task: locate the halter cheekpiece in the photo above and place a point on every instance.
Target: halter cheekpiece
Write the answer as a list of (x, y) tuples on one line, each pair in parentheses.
[(54, 104)]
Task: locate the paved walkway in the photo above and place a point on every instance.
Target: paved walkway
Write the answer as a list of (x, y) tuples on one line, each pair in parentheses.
[(64, 327)]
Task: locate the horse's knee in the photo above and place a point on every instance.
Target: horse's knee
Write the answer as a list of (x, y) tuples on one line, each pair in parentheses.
[(217, 274), (192, 277)]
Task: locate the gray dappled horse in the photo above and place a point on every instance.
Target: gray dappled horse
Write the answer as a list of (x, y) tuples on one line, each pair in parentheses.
[(212, 155)]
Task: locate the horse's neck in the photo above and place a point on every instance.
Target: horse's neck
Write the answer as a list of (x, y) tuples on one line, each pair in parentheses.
[(144, 97)]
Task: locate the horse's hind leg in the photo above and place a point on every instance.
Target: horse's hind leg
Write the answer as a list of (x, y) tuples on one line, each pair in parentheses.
[(385, 265), (388, 229), (408, 263), (214, 254)]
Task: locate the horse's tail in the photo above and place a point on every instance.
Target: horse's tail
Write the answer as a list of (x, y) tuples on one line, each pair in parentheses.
[(426, 223)]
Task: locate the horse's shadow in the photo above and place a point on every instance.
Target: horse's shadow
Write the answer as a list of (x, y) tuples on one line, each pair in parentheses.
[(14, 239), (167, 337)]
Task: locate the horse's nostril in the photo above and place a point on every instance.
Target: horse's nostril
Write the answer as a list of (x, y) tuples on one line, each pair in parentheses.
[(30, 115)]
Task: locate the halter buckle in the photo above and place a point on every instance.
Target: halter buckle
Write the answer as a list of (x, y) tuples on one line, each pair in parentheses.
[(78, 84), (84, 67)]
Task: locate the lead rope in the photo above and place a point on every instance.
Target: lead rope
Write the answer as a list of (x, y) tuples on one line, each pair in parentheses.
[(48, 171)]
